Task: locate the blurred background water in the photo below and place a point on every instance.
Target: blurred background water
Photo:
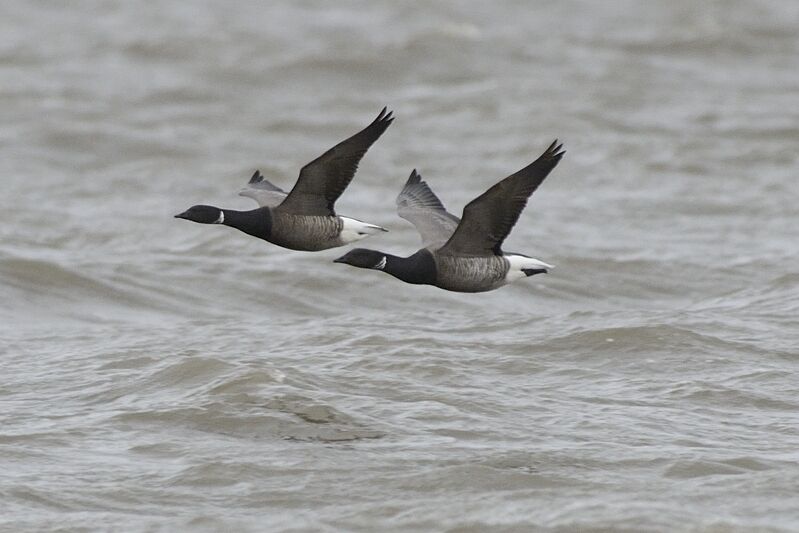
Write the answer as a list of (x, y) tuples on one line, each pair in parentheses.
[(162, 376)]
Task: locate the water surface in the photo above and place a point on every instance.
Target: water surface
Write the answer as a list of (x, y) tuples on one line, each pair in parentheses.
[(162, 376)]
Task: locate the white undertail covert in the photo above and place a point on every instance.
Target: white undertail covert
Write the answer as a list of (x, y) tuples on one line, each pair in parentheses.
[(518, 263), (355, 230)]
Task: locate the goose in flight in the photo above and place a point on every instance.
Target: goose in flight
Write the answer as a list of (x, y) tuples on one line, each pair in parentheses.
[(464, 255), (304, 218)]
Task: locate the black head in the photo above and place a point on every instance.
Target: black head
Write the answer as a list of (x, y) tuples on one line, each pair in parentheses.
[(204, 214), (363, 258)]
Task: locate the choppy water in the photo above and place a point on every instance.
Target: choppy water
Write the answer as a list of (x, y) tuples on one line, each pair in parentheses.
[(160, 375)]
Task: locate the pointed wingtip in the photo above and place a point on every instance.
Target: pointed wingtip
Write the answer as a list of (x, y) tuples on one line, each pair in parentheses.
[(385, 116), (256, 177), (555, 150)]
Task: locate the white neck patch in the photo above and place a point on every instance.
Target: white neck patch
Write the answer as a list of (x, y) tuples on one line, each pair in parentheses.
[(382, 264), (221, 219)]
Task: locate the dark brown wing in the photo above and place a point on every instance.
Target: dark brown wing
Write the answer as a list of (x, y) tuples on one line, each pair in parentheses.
[(323, 180), (488, 219)]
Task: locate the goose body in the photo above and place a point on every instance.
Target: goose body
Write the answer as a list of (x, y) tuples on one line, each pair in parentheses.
[(458, 274), (295, 232), (480, 274), (464, 255), (304, 218)]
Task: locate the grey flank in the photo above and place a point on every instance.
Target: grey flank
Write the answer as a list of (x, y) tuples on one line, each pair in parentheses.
[(307, 233), (470, 274)]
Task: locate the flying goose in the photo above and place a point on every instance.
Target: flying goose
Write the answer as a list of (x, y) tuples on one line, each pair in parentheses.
[(304, 219), (464, 255)]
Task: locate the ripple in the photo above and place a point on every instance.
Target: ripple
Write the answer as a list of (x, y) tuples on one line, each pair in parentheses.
[(162, 375)]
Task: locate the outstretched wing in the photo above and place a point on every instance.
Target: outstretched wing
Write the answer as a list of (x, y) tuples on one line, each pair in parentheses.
[(488, 219), (419, 205), (323, 180), (263, 191)]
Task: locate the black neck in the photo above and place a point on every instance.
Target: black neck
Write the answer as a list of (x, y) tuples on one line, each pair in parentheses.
[(257, 222), (419, 269)]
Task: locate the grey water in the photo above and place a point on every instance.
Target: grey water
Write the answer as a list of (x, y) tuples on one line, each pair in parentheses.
[(159, 375)]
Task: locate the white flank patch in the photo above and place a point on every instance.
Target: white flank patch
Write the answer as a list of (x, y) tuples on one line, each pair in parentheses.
[(520, 262), (355, 230), (221, 219), (382, 264)]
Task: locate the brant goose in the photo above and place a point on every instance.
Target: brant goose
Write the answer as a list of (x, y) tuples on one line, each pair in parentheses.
[(464, 255), (304, 219)]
